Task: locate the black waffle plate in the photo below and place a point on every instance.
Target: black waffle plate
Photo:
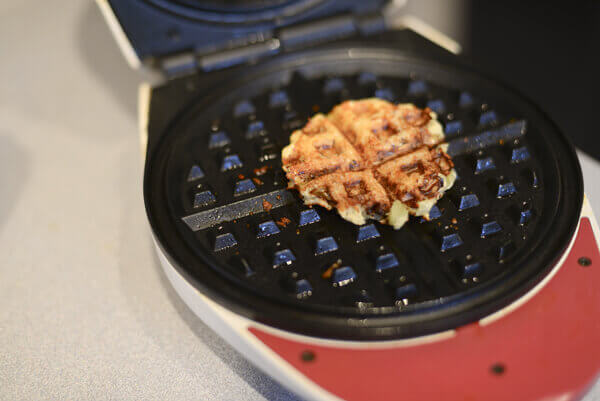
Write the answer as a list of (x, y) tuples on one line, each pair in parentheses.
[(495, 234)]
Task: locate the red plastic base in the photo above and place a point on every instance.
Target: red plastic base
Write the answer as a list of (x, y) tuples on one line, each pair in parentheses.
[(547, 349)]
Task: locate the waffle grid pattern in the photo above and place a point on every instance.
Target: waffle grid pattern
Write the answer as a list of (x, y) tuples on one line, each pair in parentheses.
[(273, 244)]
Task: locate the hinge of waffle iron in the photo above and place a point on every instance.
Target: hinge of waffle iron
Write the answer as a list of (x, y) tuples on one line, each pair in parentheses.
[(260, 45)]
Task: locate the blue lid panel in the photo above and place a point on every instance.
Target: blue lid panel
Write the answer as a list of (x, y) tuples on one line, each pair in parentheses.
[(160, 27)]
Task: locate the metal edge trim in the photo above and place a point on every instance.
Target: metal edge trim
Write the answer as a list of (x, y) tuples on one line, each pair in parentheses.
[(119, 34)]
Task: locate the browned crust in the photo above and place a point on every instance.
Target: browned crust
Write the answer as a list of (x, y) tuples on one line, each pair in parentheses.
[(351, 189), (380, 130), (415, 177), (319, 149)]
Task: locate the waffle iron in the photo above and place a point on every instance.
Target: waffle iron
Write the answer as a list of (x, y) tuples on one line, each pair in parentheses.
[(494, 298)]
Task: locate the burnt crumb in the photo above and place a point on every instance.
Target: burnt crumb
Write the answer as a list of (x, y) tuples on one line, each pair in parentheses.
[(267, 206), (261, 170), (283, 222), (335, 265)]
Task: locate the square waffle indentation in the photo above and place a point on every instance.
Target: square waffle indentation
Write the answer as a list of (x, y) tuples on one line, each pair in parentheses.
[(195, 173), (204, 198), (490, 228), (333, 85), (255, 129), (343, 276), (278, 99), (267, 229), (520, 155), (453, 128), (303, 288), (386, 261), (325, 245), (451, 241), (417, 87), (231, 162), (506, 189), (367, 232), (224, 241), (218, 140), (405, 293), (468, 201), (243, 108), (484, 164), (488, 118), (309, 216), (385, 94), (283, 258), (244, 187)]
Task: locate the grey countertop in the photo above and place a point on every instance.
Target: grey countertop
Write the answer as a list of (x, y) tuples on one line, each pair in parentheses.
[(85, 311)]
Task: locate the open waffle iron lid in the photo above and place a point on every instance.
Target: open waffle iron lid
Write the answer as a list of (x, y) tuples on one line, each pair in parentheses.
[(159, 28), (491, 238)]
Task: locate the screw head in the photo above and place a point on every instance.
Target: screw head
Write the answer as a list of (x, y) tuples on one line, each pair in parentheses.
[(497, 369), (307, 356), (584, 261)]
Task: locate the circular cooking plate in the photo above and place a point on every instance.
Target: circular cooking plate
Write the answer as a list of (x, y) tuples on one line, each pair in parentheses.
[(497, 232)]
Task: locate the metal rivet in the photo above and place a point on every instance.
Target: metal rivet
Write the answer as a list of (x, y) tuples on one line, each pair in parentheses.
[(584, 261), (498, 369), (307, 356)]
